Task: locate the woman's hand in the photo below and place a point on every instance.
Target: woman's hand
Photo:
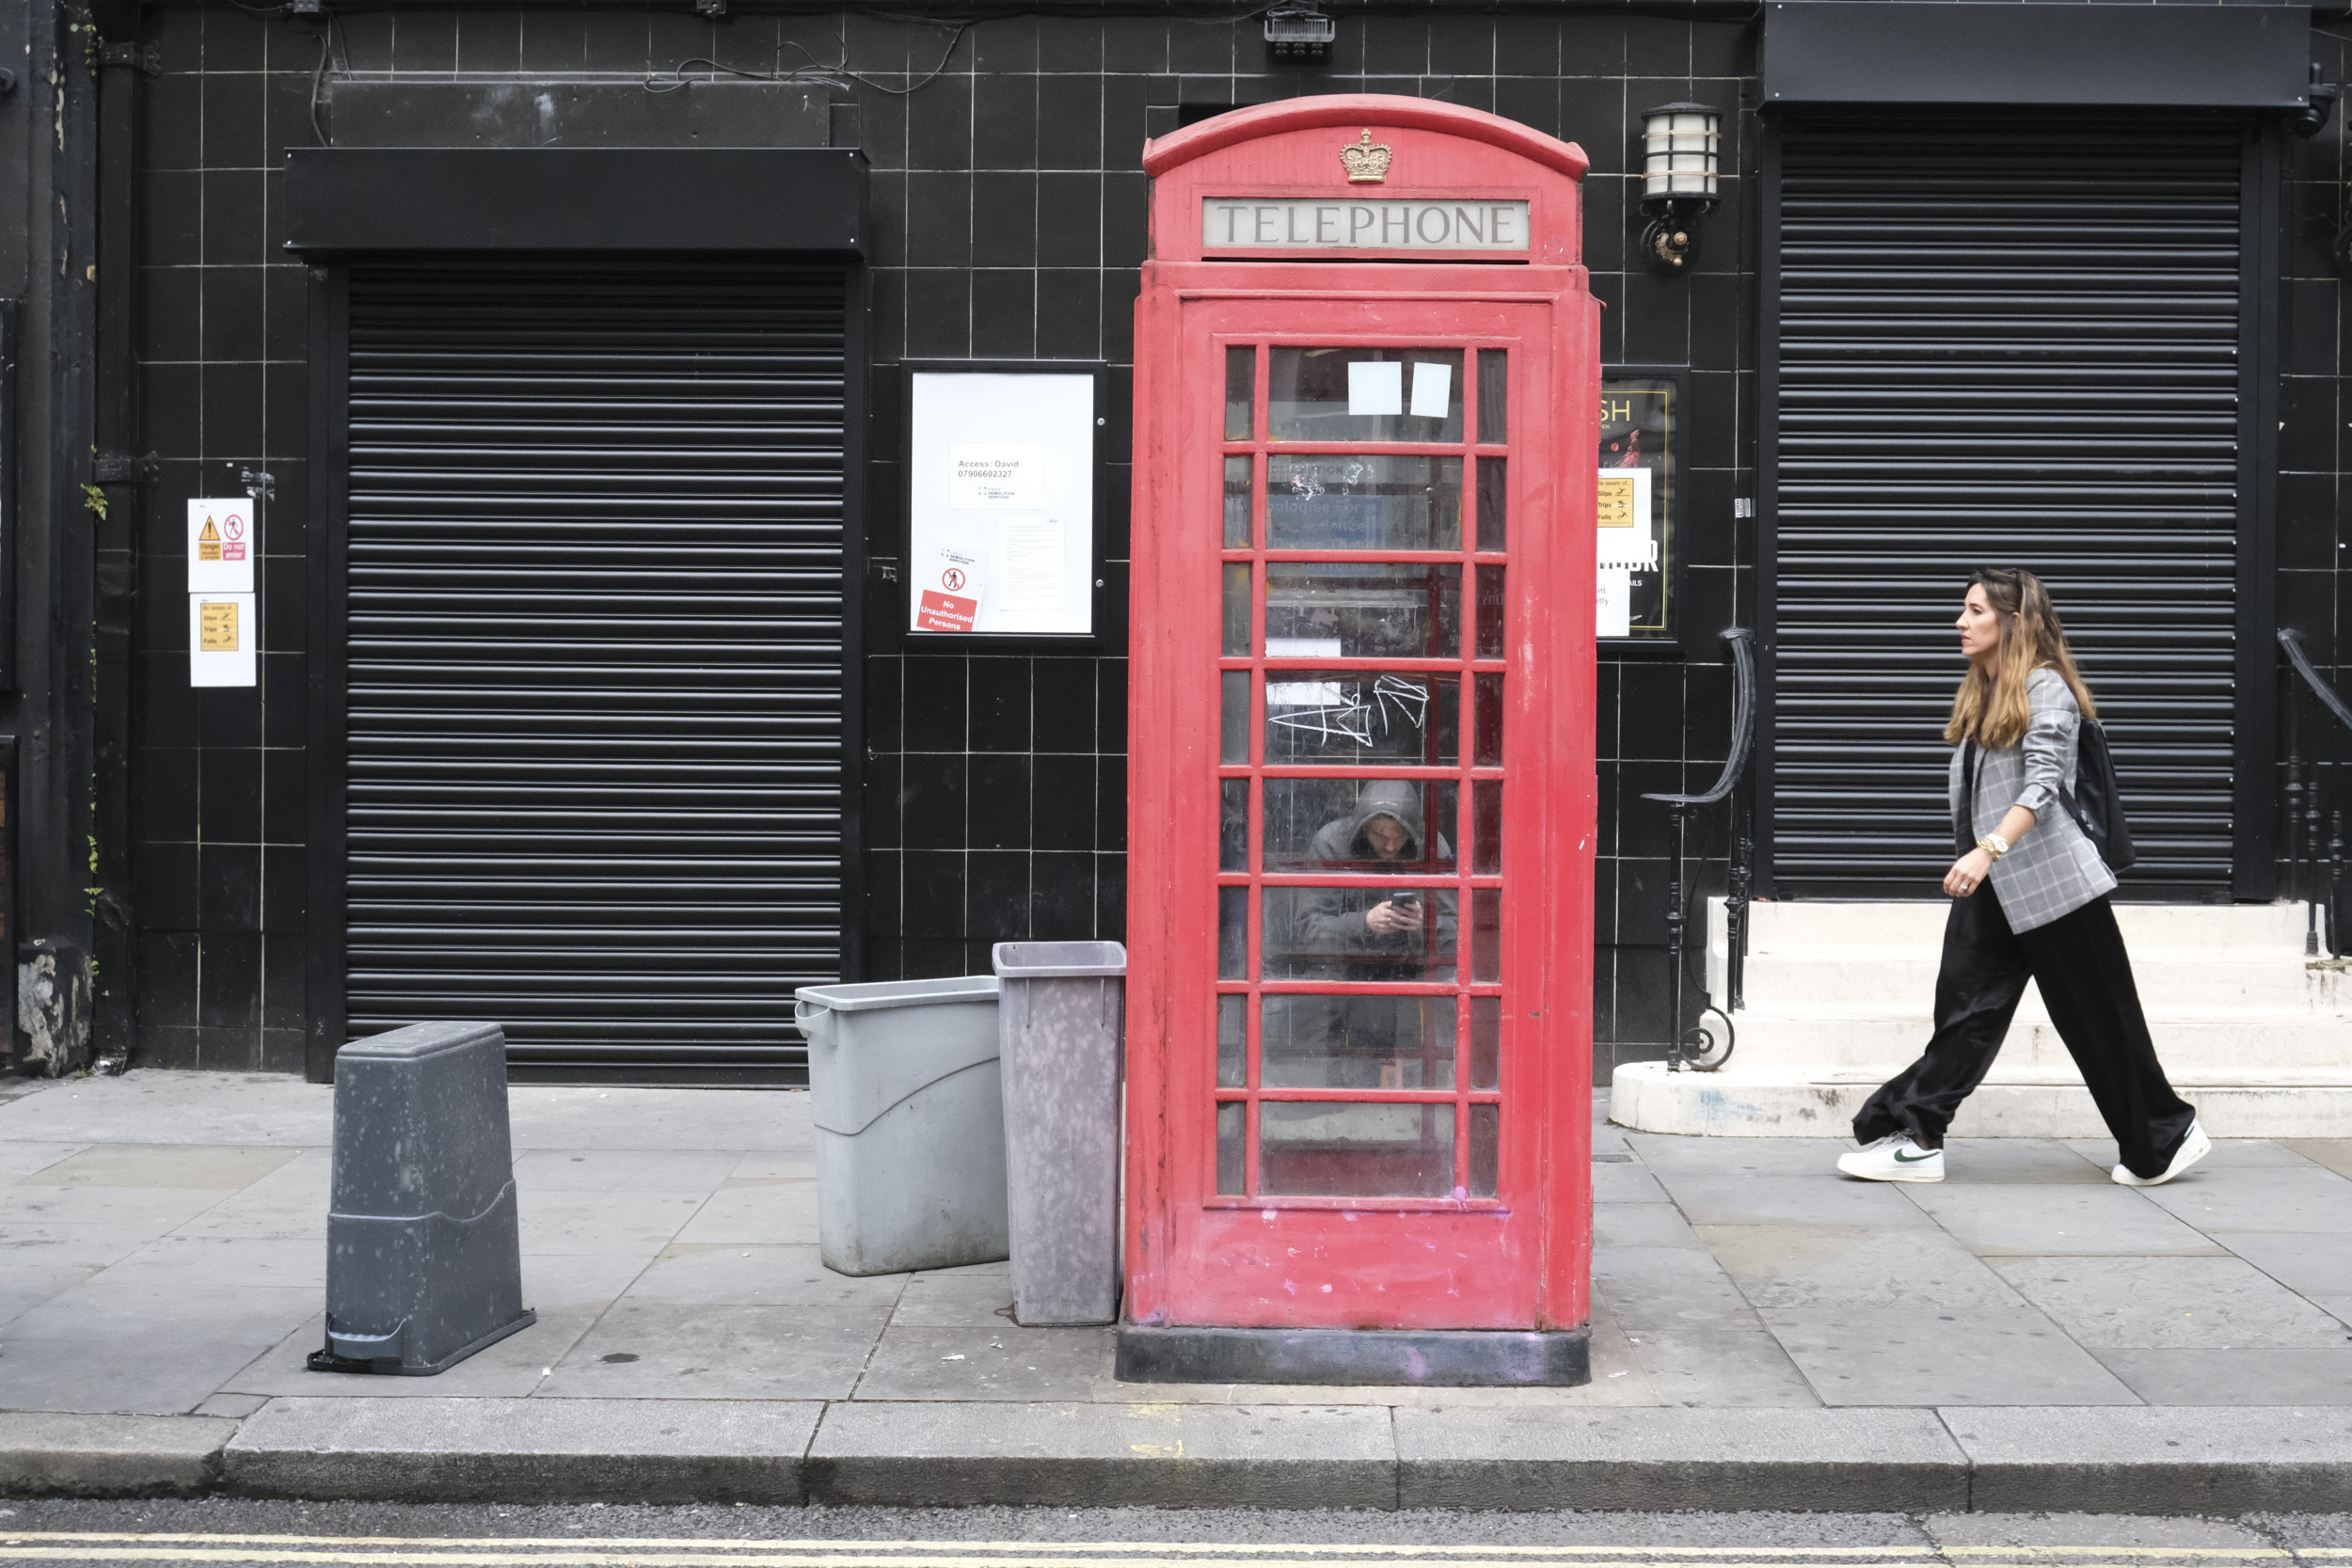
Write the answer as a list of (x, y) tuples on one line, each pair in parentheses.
[(1968, 872)]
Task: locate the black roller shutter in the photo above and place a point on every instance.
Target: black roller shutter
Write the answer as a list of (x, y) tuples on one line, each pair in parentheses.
[(2011, 344), (594, 651)]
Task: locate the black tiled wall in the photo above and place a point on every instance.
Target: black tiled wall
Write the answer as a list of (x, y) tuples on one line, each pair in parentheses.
[(1008, 223), (2314, 595)]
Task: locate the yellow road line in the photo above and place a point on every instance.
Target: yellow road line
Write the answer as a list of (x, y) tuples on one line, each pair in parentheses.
[(14, 1548)]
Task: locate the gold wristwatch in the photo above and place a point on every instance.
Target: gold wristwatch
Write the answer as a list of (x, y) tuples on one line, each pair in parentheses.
[(1993, 845)]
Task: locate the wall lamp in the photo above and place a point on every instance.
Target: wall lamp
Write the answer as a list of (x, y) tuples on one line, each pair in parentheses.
[(1679, 145), (1297, 32)]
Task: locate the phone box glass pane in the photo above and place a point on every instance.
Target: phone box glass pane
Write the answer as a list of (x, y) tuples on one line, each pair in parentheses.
[(1353, 718), (1233, 933), (1365, 932), (1494, 409), (1356, 1042), (1485, 1148), (1234, 717), (1494, 520), (1241, 391), (1364, 394), (1231, 1119), (1236, 603), (1357, 609), (1355, 1151), (1233, 825), (1238, 488), (1232, 1041), (1335, 501), (1336, 825)]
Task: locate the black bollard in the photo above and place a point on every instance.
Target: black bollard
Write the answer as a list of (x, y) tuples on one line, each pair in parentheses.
[(424, 1260)]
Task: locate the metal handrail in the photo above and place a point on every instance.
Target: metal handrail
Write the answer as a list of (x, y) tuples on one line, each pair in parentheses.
[(2292, 640), (1742, 642), (2303, 806)]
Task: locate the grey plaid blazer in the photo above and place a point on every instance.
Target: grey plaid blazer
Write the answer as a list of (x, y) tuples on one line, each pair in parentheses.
[(2053, 870)]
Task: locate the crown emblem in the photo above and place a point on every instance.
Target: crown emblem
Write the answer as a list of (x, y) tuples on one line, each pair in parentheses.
[(1366, 162)]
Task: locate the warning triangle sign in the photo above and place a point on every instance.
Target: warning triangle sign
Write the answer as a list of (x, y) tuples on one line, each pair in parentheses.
[(208, 542)]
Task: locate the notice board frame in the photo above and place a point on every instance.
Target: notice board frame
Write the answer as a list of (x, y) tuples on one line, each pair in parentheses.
[(1669, 484), (1102, 606)]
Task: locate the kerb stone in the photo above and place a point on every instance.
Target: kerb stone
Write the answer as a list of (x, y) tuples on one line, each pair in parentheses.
[(46, 1454), (1105, 1456), (523, 1450), (2170, 1459), (1826, 1459)]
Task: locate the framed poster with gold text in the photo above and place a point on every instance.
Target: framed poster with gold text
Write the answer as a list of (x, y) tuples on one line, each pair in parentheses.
[(1640, 572)]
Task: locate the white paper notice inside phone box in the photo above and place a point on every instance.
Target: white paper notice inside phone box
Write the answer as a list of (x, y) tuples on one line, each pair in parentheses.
[(222, 545), (223, 630), (1000, 503)]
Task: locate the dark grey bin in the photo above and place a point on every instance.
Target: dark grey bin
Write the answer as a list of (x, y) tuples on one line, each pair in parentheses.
[(423, 1262), (1060, 1006)]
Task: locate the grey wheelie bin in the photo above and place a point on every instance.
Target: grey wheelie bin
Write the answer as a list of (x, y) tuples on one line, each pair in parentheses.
[(910, 1123), (1061, 1011)]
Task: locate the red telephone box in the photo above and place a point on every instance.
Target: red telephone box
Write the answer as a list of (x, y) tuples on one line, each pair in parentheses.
[(1361, 752)]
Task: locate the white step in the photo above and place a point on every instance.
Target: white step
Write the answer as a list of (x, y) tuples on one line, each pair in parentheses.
[(1645, 1096), (1869, 1037), (2191, 977), (1839, 998)]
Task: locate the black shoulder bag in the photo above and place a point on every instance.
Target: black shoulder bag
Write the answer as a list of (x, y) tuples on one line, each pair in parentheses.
[(2094, 802)]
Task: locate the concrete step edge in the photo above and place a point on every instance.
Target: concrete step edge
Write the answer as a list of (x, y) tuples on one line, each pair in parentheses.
[(2088, 1459)]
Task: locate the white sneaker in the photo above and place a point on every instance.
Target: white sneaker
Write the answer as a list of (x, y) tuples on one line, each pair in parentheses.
[(1893, 1158), (2193, 1148)]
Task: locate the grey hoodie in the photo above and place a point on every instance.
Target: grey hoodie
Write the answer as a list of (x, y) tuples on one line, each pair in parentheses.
[(1330, 920)]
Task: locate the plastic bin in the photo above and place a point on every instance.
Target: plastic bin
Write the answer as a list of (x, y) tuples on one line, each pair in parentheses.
[(910, 1120), (1063, 1004), (424, 1259)]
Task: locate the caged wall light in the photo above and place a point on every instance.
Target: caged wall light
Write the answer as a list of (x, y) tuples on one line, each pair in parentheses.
[(1680, 146)]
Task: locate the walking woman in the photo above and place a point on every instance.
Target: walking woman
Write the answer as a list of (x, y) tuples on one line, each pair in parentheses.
[(2030, 901)]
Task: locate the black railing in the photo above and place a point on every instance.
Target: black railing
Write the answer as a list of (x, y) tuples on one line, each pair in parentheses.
[(1709, 1052), (2311, 779)]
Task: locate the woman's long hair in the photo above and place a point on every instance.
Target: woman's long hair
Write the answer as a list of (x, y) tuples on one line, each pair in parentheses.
[(1991, 702)]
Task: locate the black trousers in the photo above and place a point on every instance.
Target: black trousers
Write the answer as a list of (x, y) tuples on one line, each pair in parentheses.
[(2086, 980)]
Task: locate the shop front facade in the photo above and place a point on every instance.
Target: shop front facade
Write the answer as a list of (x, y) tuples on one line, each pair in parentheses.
[(566, 360)]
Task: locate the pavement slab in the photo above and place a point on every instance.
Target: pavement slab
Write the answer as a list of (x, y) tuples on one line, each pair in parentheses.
[(1815, 1265), (2308, 1262), (2010, 1220), (2170, 1304), (713, 1273), (2236, 1375), (999, 1363), (1060, 1454), (2300, 1197), (1634, 1459), (2150, 1460), (523, 1450), (1906, 1356), (653, 1350)]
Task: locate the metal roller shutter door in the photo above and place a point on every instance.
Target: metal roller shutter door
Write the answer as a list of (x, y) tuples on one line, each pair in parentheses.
[(595, 660), (2001, 344)]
